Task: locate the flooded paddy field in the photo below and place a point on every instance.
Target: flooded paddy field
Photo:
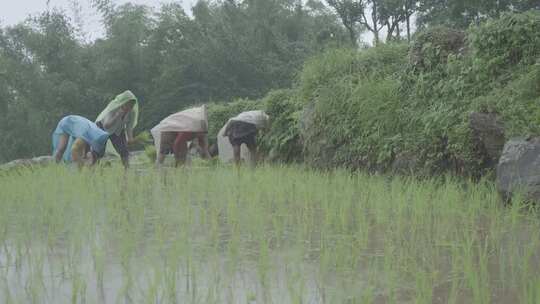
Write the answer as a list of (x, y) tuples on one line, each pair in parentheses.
[(270, 235)]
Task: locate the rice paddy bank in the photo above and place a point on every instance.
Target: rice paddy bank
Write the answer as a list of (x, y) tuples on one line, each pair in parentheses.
[(271, 235)]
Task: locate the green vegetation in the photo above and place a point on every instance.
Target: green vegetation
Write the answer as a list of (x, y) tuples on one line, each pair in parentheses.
[(423, 106), (280, 233), (274, 235), (170, 59), (242, 50), (363, 109), (355, 104)]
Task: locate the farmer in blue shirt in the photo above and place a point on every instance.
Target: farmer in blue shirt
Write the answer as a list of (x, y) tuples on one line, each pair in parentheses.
[(77, 139)]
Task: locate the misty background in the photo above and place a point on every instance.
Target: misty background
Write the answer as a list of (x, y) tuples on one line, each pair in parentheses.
[(13, 12)]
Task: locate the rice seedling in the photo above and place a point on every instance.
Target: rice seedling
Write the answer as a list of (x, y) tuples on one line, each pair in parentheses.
[(212, 234)]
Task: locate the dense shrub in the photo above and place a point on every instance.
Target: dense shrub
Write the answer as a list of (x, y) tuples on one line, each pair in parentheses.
[(432, 47), (281, 141), (354, 111), (504, 42), (496, 74), (518, 102), (332, 65), (361, 109)]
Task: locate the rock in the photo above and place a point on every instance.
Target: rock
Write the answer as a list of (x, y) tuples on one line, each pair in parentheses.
[(519, 169), (15, 164), (21, 163), (42, 160), (488, 139)]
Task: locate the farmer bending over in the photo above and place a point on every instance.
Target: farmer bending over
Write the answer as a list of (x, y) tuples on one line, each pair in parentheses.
[(243, 129), (119, 119), (80, 138), (172, 134)]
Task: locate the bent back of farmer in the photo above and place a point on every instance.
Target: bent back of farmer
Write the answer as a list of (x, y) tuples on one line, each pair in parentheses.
[(243, 129), (173, 133), (119, 119), (77, 139)]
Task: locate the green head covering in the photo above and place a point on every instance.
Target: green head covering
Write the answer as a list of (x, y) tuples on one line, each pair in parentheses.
[(119, 101)]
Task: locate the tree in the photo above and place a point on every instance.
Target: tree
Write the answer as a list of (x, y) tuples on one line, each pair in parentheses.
[(124, 66), (234, 49), (462, 13), (392, 13), (41, 58), (375, 15), (351, 13)]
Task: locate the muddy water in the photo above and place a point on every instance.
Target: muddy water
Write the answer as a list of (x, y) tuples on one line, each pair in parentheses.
[(39, 275), (31, 272), (131, 250)]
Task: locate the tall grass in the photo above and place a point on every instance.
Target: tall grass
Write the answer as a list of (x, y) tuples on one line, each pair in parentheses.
[(270, 235)]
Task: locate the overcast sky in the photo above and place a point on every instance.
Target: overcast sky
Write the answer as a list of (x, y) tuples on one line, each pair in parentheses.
[(15, 11)]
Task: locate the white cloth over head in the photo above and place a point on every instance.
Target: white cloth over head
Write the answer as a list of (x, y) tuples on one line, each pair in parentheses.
[(257, 118), (190, 120)]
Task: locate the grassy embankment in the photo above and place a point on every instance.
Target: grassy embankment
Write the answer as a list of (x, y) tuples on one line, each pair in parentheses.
[(365, 109)]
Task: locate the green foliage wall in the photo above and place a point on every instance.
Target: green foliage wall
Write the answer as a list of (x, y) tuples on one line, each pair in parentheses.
[(355, 107), (493, 74), (373, 105), (282, 140)]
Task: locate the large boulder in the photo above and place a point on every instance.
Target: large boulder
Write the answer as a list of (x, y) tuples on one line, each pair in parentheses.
[(488, 139), (519, 169)]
